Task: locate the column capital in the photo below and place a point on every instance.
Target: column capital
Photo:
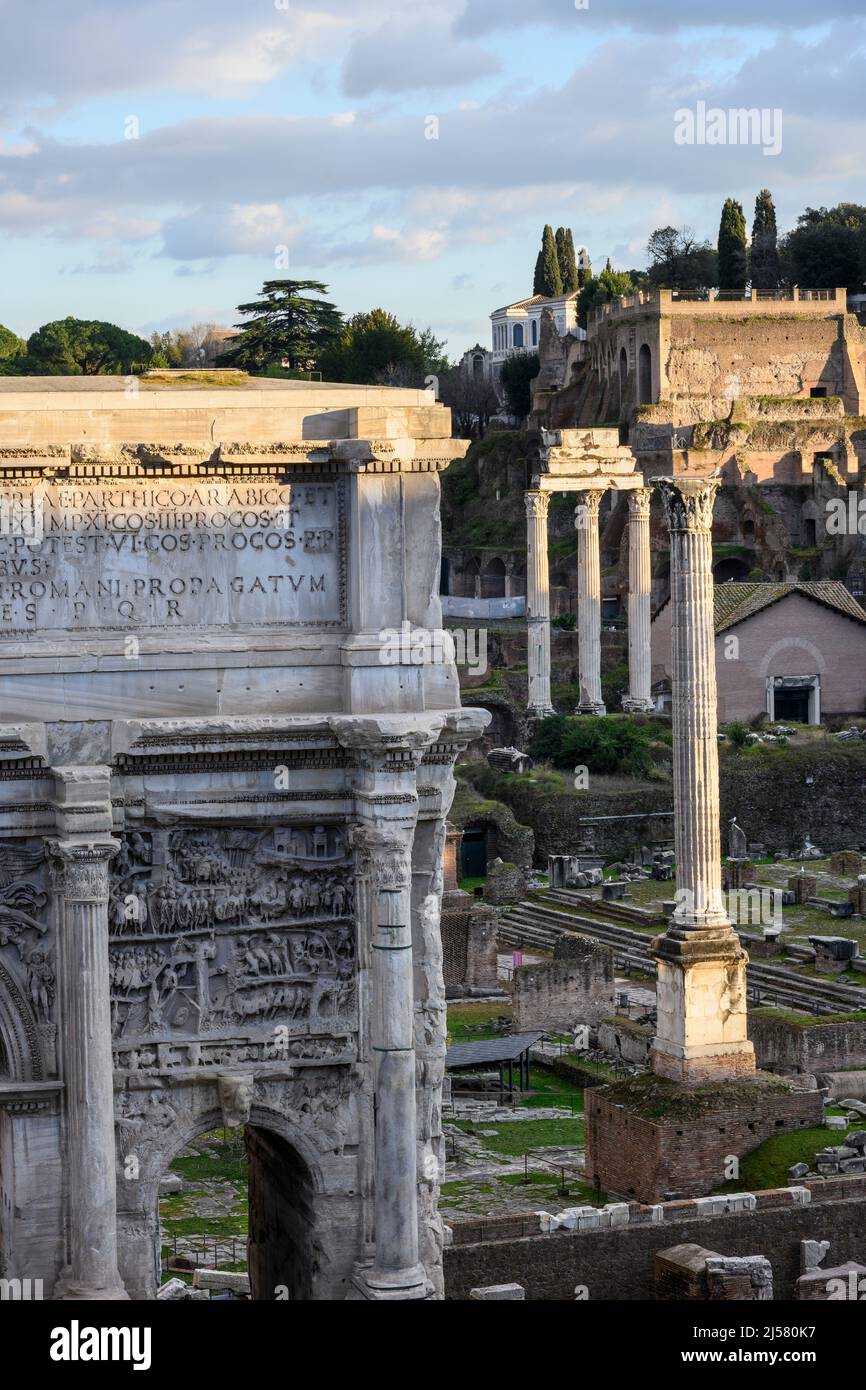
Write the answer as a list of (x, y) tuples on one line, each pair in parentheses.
[(688, 503), (79, 868), (536, 504), (588, 506), (639, 503), (384, 854)]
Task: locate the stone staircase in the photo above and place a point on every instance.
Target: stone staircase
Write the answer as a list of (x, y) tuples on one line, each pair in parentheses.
[(534, 926)]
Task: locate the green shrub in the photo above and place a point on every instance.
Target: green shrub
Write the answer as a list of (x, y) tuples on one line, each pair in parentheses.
[(609, 745)]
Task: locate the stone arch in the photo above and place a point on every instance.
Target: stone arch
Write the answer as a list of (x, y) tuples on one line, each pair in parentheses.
[(493, 579), (290, 1148), (623, 376), (645, 375), (731, 568), (19, 1035)]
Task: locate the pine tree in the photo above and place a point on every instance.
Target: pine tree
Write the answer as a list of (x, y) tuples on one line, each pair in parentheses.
[(550, 278), (538, 277), (567, 259), (733, 256), (766, 268)]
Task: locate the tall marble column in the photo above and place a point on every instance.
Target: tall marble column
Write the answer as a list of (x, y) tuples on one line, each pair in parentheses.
[(538, 604), (79, 870), (639, 698), (701, 966), (589, 600), (385, 855)]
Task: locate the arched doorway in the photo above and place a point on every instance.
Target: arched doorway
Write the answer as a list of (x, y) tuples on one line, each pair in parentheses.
[(645, 375), (281, 1249), (493, 580), (623, 376)]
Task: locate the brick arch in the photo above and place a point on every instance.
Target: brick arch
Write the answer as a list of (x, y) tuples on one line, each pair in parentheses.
[(803, 644)]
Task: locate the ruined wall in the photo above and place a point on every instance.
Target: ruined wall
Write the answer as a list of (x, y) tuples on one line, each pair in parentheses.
[(646, 1158), (765, 354), (559, 994), (617, 1264), (786, 1046), (468, 945)]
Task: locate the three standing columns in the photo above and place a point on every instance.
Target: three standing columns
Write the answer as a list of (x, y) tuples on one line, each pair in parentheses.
[(589, 600), (586, 520), (701, 966), (79, 870), (538, 604), (639, 698)]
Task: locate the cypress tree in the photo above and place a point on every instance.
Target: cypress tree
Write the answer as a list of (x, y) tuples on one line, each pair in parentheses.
[(538, 277), (766, 269), (733, 257), (567, 260), (550, 278)]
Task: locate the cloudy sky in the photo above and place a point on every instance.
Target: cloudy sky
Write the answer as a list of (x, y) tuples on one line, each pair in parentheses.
[(160, 159)]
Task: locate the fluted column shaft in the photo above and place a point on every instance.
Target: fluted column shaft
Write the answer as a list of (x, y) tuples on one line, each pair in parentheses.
[(702, 1030), (538, 604), (589, 600), (689, 510), (639, 696), (80, 879)]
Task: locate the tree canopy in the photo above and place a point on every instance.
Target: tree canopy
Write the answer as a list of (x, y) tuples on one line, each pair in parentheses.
[(12, 349), (567, 259), (601, 289), (516, 373), (765, 265), (827, 248), (677, 260), (548, 276), (84, 347), (375, 348), (285, 325), (733, 252)]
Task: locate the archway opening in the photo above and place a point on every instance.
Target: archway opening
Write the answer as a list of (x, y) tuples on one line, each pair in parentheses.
[(645, 375), (241, 1201), (623, 376), (281, 1245), (731, 569), (493, 580)]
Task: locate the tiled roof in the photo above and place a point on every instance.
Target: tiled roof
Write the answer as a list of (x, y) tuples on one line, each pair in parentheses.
[(734, 603)]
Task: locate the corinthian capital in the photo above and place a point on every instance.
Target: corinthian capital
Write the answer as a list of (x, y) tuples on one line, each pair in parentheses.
[(537, 504), (639, 503), (384, 854), (688, 503), (79, 868)]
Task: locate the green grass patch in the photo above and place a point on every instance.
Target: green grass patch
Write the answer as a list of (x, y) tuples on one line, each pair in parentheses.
[(515, 1138), (767, 1166), (474, 1022)]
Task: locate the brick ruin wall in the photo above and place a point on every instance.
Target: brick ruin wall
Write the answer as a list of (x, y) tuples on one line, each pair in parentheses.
[(646, 1159), (617, 1262)]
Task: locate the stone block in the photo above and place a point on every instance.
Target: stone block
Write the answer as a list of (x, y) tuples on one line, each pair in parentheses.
[(221, 1279), (498, 1293)]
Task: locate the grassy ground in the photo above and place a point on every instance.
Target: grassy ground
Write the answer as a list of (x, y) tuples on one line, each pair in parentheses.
[(513, 1193), (768, 1165), (214, 1204), (474, 1022), (514, 1138)]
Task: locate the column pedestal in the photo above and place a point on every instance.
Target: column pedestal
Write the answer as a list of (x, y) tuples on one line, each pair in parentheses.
[(538, 605), (639, 698), (589, 601), (80, 878)]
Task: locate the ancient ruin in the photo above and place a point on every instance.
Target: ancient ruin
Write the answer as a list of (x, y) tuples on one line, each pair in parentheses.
[(223, 818)]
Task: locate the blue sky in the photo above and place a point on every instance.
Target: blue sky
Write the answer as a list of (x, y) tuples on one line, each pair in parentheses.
[(275, 124)]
